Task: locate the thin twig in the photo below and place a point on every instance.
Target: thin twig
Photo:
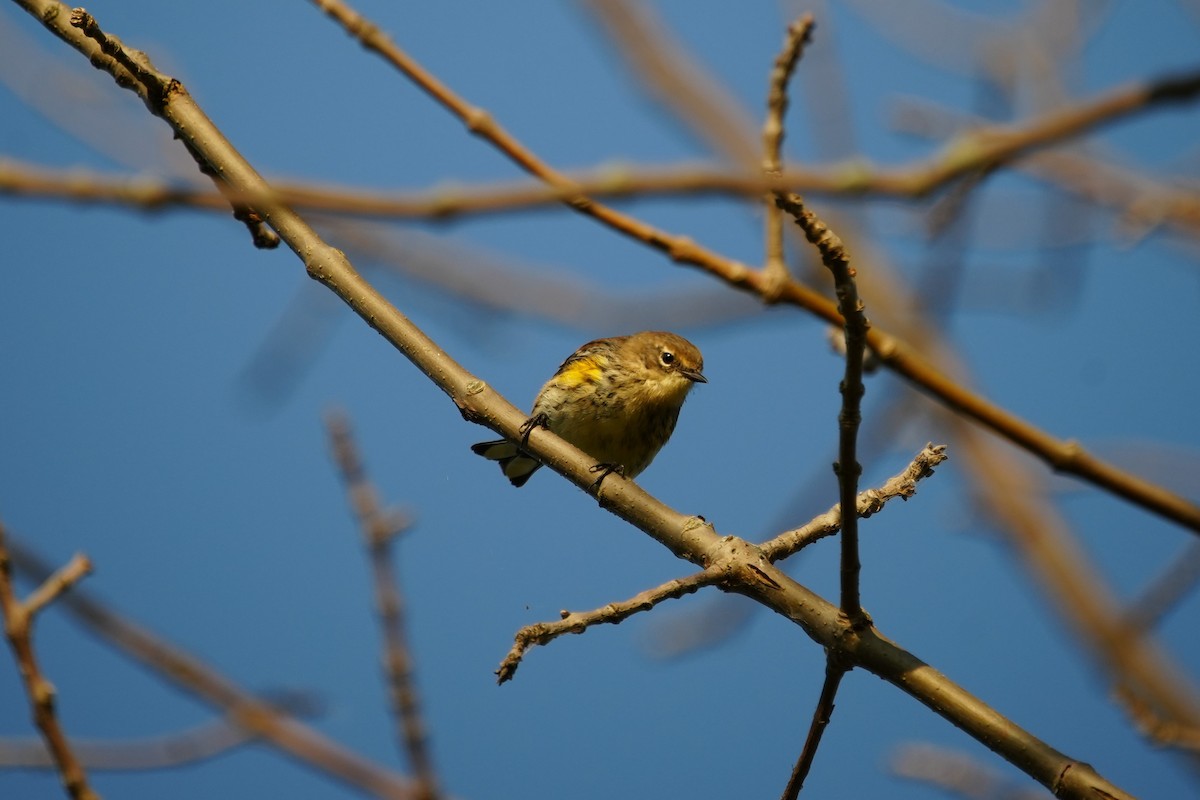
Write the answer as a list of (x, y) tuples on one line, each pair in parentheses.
[(58, 584), (834, 672), (18, 626), (1064, 456), (612, 614), (903, 485), (379, 530), (798, 34), (848, 470)]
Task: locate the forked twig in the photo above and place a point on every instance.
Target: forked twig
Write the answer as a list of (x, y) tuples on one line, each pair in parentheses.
[(18, 626), (250, 712)]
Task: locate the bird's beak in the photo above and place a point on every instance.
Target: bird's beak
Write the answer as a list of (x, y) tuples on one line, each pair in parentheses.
[(694, 375)]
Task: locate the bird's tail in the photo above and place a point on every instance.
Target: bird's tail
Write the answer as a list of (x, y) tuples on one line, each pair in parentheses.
[(515, 463)]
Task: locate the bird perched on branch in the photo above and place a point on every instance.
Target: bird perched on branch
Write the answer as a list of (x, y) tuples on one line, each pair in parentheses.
[(616, 399)]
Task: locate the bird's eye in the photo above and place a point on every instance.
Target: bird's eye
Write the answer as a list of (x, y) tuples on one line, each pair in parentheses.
[(667, 358)]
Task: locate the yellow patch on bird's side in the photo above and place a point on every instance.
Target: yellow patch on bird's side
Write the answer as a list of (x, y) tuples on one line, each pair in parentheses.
[(588, 369)]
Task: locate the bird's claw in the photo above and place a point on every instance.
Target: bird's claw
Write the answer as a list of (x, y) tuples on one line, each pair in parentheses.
[(605, 470), (536, 421)]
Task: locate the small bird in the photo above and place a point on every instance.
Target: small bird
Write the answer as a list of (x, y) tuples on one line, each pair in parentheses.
[(616, 399)]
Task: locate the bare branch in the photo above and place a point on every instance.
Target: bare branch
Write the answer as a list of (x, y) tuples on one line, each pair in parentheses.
[(798, 34), (18, 626), (903, 485), (848, 470), (611, 614), (78, 568), (380, 530), (834, 672)]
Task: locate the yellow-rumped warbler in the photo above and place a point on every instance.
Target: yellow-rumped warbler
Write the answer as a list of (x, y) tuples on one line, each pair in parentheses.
[(615, 399)]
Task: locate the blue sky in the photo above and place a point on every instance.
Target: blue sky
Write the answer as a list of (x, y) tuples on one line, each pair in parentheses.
[(139, 426)]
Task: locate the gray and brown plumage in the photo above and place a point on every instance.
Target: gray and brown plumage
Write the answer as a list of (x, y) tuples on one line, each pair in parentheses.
[(616, 399)]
